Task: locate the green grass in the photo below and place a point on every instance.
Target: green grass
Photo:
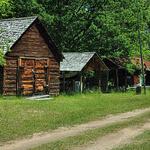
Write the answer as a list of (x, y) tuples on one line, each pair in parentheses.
[(20, 118), (92, 135), (142, 142)]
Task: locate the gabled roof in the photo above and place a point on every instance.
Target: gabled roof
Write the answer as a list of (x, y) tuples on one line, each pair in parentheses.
[(76, 61), (11, 30)]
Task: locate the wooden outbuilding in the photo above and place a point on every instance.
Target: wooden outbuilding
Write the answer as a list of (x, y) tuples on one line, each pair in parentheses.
[(82, 71), (32, 60), (119, 77)]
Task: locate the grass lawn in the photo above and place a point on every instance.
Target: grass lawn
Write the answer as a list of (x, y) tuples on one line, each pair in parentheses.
[(20, 117), (92, 135), (142, 142)]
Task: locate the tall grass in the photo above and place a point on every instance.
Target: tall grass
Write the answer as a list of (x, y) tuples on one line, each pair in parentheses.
[(20, 117)]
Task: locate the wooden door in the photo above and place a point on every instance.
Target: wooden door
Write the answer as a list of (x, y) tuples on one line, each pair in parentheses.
[(33, 76), (41, 76), (26, 76)]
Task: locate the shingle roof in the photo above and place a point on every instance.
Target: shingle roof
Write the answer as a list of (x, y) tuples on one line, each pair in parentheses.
[(75, 61), (12, 29)]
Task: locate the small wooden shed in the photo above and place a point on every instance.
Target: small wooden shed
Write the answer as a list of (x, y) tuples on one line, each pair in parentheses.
[(118, 74), (32, 58), (81, 71)]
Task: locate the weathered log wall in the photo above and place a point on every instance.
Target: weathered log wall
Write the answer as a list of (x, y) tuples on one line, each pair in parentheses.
[(10, 76), (31, 45), (54, 77)]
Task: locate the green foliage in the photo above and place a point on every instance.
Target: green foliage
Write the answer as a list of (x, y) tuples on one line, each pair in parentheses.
[(1, 57), (131, 68), (5, 9), (23, 8), (107, 27)]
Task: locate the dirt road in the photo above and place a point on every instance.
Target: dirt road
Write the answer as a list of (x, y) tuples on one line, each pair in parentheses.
[(43, 138), (111, 141)]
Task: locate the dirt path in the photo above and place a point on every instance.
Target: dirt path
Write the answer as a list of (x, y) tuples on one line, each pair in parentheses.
[(111, 141), (39, 139)]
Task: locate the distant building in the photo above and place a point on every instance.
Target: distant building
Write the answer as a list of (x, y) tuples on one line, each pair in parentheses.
[(83, 71), (119, 77)]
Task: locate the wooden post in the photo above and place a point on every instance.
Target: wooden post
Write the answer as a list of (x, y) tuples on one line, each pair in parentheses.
[(99, 80), (107, 90), (139, 20), (18, 91), (126, 81), (33, 74), (117, 79), (64, 80), (81, 83)]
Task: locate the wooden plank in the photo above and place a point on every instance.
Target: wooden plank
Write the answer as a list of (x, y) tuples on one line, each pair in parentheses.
[(10, 78), (9, 89), (27, 86), (10, 81), (27, 92)]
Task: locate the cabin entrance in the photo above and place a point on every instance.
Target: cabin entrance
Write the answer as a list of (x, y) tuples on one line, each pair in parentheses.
[(33, 76)]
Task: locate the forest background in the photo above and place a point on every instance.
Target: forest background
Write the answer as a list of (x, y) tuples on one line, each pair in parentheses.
[(109, 27)]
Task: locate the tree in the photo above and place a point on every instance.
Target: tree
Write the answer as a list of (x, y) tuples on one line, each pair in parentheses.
[(107, 27), (5, 9)]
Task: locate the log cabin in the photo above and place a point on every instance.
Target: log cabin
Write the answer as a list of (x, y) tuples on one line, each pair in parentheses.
[(81, 71), (32, 60)]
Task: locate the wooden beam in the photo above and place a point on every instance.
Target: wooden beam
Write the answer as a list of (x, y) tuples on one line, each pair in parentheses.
[(64, 80), (81, 83), (117, 79), (126, 81), (107, 80)]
